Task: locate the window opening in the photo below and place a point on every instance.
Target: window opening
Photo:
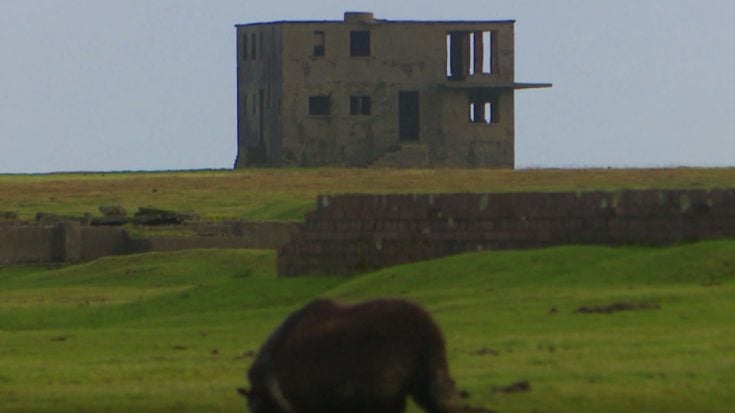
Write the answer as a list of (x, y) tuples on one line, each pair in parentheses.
[(319, 46), (458, 55), (253, 51), (319, 105), (244, 41), (488, 61), (360, 105), (261, 114), (261, 45), (483, 111), (360, 43), (470, 53), (449, 55)]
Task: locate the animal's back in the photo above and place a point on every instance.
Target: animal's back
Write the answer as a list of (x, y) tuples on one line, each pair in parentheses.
[(366, 357)]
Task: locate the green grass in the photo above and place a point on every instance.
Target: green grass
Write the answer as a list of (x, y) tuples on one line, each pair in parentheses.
[(286, 194), (171, 332)]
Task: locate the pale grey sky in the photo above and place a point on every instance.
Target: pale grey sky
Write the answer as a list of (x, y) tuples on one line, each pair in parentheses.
[(150, 84)]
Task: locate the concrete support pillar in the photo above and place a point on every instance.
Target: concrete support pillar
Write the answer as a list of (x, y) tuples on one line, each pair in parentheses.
[(466, 54), (479, 46), (479, 107), (70, 241)]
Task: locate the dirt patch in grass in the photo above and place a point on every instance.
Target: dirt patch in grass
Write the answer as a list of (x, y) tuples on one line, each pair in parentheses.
[(522, 386), (470, 409), (485, 351), (617, 307)]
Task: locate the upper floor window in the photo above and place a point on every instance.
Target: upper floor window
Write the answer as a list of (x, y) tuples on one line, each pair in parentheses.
[(319, 105), (261, 45), (244, 45), (360, 43), (319, 46), (471, 53), (359, 105), (253, 50)]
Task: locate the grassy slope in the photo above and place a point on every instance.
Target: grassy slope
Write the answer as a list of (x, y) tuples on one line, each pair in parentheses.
[(285, 194), (167, 332)]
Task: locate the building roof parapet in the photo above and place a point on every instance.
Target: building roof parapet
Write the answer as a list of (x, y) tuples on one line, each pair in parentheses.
[(378, 22)]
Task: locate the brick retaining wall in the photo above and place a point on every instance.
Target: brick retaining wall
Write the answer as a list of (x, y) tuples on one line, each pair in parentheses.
[(347, 234)]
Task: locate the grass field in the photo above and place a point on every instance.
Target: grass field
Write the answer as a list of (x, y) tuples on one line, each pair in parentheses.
[(286, 194), (174, 332)]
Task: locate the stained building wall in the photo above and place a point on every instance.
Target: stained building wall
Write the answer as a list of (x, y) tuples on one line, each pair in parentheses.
[(259, 86), (404, 56)]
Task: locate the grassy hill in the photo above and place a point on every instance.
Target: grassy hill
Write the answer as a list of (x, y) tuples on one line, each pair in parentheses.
[(176, 332), (286, 194)]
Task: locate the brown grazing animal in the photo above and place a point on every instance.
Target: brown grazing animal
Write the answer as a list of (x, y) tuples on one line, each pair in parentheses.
[(328, 357)]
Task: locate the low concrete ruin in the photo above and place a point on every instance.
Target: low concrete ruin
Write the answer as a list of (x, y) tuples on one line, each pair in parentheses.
[(74, 241)]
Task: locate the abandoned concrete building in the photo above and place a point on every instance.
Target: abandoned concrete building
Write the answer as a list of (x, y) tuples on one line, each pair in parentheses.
[(364, 91)]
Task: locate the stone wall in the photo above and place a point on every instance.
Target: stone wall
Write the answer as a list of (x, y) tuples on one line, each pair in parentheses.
[(348, 234)]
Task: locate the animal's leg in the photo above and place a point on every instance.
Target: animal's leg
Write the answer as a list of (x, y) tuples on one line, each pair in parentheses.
[(437, 394)]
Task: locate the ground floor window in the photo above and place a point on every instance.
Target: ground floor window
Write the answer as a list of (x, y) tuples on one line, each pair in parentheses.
[(360, 105), (319, 105), (483, 110)]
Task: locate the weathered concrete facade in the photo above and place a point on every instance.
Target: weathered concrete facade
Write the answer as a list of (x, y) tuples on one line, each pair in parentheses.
[(70, 241), (349, 92)]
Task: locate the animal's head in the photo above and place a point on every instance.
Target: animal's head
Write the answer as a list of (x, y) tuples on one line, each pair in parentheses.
[(255, 403), (261, 402)]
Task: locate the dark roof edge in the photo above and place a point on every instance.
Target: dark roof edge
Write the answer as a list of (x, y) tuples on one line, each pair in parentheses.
[(377, 22)]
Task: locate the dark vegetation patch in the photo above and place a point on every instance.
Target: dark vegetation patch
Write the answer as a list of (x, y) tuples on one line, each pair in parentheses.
[(8, 215), (246, 355), (469, 409), (154, 216), (617, 307), (522, 386), (485, 351), (464, 394)]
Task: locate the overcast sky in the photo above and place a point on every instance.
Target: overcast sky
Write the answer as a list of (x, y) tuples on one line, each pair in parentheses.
[(97, 85)]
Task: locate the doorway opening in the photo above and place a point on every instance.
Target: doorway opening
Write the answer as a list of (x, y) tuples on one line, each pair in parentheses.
[(408, 116)]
